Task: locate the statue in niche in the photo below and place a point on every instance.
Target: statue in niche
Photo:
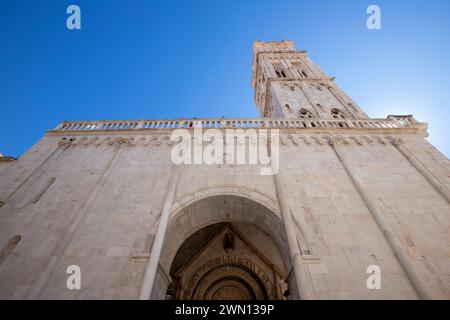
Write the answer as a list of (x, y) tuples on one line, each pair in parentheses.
[(228, 242)]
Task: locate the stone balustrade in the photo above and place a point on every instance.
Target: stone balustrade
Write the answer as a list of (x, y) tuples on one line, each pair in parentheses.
[(390, 122)]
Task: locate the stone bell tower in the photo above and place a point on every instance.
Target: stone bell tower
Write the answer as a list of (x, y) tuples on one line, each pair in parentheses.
[(289, 85)]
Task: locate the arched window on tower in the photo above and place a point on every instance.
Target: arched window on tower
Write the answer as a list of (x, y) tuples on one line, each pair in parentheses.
[(279, 70), (337, 114), (305, 114), (299, 67)]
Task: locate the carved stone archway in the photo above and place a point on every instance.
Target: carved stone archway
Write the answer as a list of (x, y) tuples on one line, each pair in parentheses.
[(227, 282), (228, 267), (214, 209)]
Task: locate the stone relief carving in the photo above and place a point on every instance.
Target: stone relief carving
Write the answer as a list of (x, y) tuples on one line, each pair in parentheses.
[(285, 139), (228, 265), (203, 287), (358, 140), (66, 143)]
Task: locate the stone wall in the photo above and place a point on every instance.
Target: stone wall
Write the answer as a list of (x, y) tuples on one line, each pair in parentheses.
[(96, 204)]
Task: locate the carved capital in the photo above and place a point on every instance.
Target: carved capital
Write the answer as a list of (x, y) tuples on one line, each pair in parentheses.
[(121, 141), (333, 141), (15, 239), (65, 143), (397, 142)]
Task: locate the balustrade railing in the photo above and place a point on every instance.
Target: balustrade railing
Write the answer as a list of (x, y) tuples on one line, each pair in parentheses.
[(389, 122)]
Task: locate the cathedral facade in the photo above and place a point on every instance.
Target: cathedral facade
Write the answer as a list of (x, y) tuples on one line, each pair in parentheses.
[(356, 208)]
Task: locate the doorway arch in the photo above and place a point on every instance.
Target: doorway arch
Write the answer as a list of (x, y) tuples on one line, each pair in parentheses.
[(238, 213)]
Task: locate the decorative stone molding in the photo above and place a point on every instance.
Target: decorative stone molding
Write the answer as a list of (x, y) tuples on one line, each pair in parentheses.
[(359, 140), (285, 140), (121, 141), (87, 141), (66, 143), (140, 257), (200, 292), (294, 139), (397, 142), (235, 263), (332, 141), (355, 140)]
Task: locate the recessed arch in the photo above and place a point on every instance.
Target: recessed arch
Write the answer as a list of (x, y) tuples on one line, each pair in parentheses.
[(338, 114), (305, 114), (209, 207), (231, 190)]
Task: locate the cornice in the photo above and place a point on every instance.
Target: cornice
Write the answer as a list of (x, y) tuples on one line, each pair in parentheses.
[(137, 132), (285, 139)]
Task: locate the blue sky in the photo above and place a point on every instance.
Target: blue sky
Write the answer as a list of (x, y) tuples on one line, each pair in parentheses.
[(168, 59)]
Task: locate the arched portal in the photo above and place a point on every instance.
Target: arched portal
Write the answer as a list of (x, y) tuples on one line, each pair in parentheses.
[(224, 247)]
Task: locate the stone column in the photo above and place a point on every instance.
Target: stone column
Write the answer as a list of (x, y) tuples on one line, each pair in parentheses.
[(399, 144), (302, 275), (152, 265), (427, 286)]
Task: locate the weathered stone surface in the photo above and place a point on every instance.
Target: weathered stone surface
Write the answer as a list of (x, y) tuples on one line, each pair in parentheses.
[(356, 192)]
